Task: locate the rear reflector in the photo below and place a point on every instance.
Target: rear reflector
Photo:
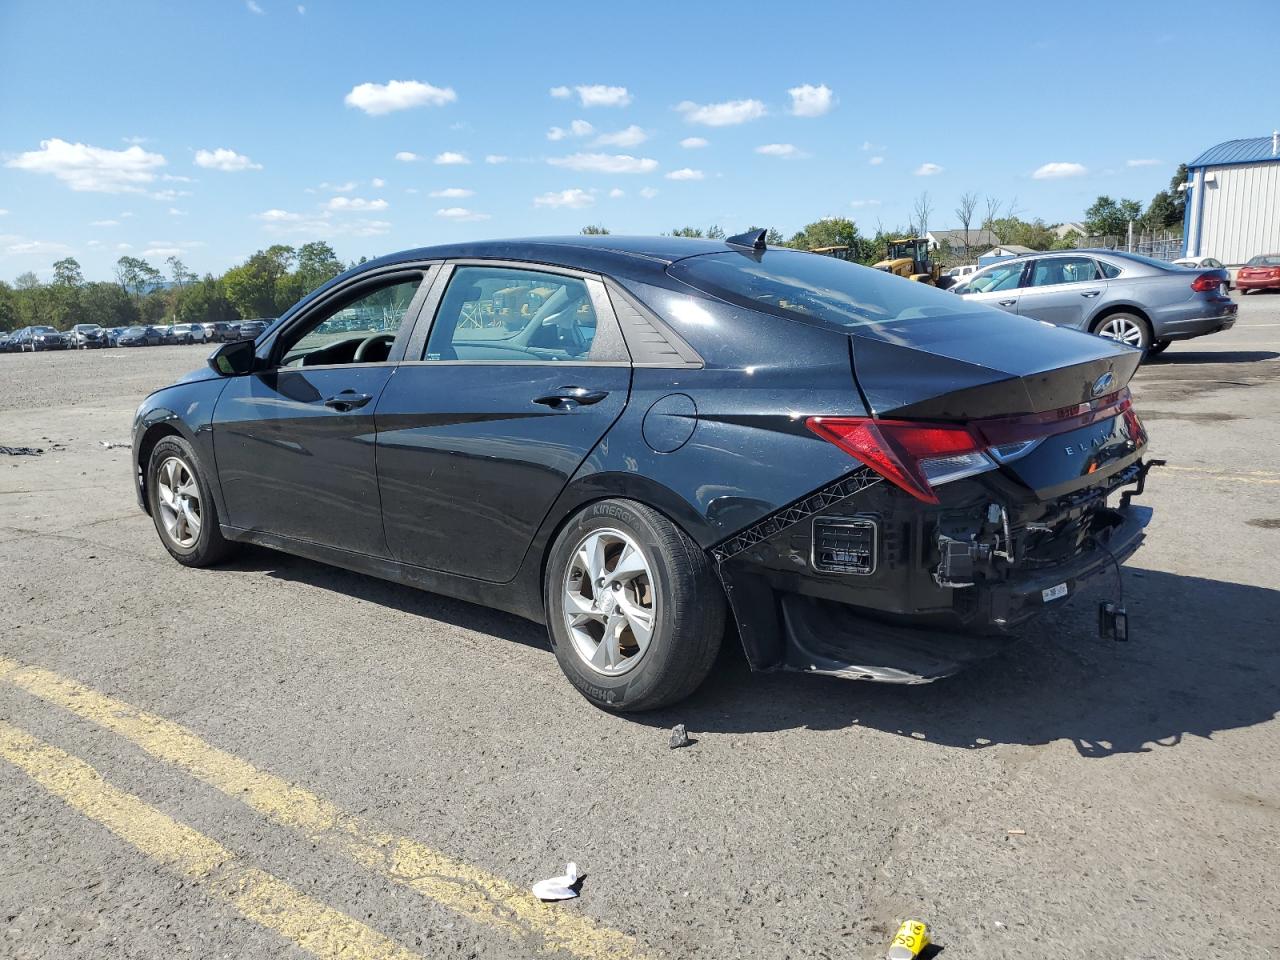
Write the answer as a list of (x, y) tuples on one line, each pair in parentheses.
[(920, 456)]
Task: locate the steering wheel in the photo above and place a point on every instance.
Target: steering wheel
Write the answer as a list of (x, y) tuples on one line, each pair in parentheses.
[(367, 344)]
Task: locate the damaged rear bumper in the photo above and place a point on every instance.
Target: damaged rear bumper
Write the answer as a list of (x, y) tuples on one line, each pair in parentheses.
[(888, 618)]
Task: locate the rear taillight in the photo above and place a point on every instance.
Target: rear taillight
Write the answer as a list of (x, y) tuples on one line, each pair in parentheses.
[(920, 456), (1206, 283)]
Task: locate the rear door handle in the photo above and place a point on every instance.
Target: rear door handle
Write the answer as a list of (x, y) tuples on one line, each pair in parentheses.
[(1006, 303), (566, 397), (1090, 293), (347, 400)]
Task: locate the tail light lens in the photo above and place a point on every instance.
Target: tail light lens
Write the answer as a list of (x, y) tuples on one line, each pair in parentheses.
[(1206, 283), (920, 456)]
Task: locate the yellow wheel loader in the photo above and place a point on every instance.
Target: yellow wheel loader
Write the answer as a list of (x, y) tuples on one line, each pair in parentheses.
[(910, 258)]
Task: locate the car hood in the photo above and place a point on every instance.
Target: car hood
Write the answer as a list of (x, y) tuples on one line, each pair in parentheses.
[(986, 364)]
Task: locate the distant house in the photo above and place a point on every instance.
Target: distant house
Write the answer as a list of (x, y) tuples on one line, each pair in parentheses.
[(1075, 226), (1003, 251), (955, 239)]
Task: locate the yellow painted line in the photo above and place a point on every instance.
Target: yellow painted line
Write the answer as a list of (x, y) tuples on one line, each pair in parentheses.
[(258, 895), (1252, 476), (481, 897)]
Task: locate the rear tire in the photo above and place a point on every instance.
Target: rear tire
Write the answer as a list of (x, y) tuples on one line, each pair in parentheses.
[(624, 570), (182, 507), (1126, 328)]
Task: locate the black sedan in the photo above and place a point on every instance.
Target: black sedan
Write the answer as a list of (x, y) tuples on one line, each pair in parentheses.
[(140, 337), (34, 339), (641, 441)]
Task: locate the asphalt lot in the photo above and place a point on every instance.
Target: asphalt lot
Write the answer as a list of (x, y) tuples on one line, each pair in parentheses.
[(287, 755)]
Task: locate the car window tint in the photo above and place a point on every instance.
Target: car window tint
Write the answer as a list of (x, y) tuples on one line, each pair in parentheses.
[(339, 334), (493, 314), (1003, 276), (1109, 270), (1056, 270)]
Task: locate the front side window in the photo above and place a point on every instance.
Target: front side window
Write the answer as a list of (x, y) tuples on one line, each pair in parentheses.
[(1055, 270), (1003, 276), (496, 314), (359, 330)]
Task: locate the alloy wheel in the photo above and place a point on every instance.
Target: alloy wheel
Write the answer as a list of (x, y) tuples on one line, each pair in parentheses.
[(1124, 328), (178, 500), (610, 602)]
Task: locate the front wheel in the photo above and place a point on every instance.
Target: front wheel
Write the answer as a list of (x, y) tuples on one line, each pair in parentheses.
[(634, 611), (1125, 327), (182, 507)]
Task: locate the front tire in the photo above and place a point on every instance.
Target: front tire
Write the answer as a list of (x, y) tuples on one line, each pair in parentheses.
[(182, 507), (634, 611), (1160, 346), (1125, 327)]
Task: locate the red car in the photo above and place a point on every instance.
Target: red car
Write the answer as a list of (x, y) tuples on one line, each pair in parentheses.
[(1260, 273)]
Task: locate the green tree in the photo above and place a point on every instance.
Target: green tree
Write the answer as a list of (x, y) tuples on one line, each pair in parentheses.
[(136, 276), (26, 281), (594, 230), (178, 270), (1109, 218), (686, 232), (107, 304), (715, 233), (1035, 234), (8, 307), (261, 286), (67, 273), (317, 264), (204, 301)]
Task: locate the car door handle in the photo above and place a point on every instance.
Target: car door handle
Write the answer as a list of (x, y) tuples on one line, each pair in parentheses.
[(1006, 303), (565, 397), (347, 400), (1090, 293)]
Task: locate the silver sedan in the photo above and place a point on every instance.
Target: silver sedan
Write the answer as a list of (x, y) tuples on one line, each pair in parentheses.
[(1143, 302)]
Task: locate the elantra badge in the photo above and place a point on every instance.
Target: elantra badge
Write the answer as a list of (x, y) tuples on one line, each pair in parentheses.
[(1103, 384)]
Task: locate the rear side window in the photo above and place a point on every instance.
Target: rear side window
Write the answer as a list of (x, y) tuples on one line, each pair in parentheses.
[(1052, 271), (821, 290), (1109, 270)]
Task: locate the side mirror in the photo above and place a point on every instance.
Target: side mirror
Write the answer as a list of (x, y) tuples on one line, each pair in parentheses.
[(233, 359)]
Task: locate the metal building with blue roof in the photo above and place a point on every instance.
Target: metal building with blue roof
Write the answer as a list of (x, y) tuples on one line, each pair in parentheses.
[(1233, 201)]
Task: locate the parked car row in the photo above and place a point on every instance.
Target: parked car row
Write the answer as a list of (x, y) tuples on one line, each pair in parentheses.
[(90, 336)]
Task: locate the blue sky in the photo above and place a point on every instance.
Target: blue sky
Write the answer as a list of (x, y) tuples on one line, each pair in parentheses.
[(212, 129)]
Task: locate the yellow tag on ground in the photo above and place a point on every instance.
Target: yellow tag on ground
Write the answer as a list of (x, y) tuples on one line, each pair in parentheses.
[(913, 936)]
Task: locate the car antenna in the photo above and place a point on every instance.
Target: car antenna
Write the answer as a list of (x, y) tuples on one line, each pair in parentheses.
[(752, 238)]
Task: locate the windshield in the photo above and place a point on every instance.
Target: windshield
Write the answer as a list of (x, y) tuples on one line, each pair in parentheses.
[(43, 330), (1265, 260), (87, 326), (821, 290)]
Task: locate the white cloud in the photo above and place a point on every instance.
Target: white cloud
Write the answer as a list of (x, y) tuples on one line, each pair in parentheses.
[(450, 158), (124, 246), (3, 212), (864, 203), (228, 161), (927, 170), (579, 128), (788, 151), (453, 193), (1143, 163), (105, 223), (346, 187), (377, 182), (91, 169), (176, 178), (557, 133), (460, 213), (11, 244), (94, 243), (617, 192), (630, 137), (408, 156), (175, 212), (875, 161), (694, 143), (355, 205), (605, 163), (135, 140), (599, 95), (573, 198), (1058, 169), (302, 10), (560, 93), (727, 114), (169, 195), (376, 99), (496, 158), (810, 101), (126, 214), (275, 215), (253, 7), (685, 173), (648, 193), (869, 147), (161, 251)]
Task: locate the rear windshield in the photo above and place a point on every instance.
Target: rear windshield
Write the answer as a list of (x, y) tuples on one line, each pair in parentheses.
[(818, 289), (1265, 260)]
